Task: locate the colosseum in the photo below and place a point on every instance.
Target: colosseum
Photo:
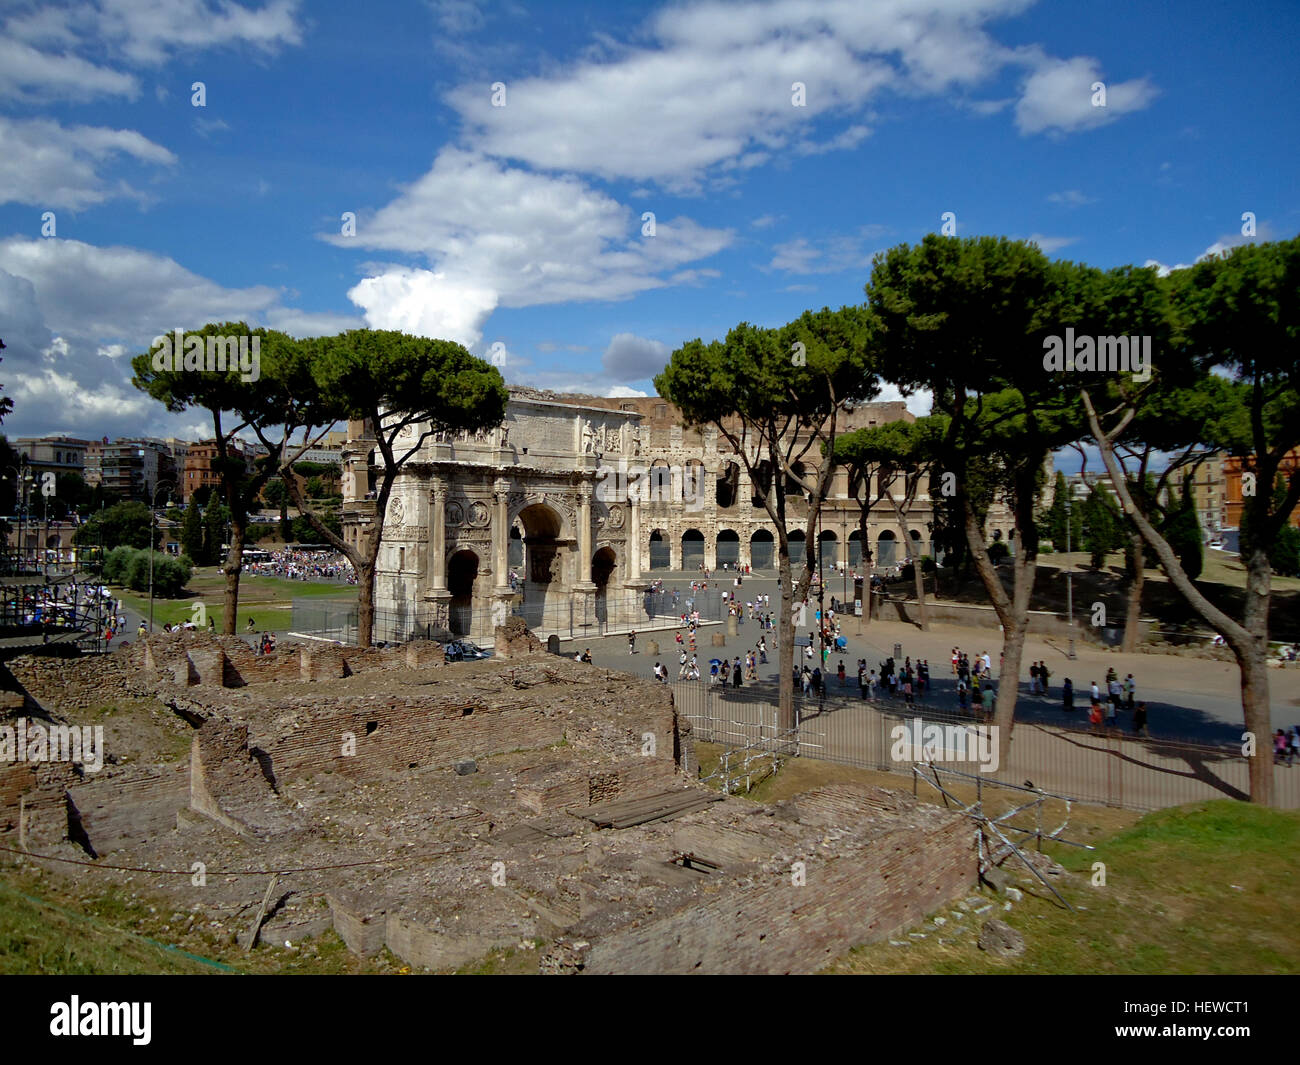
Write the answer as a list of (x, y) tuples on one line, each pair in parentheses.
[(535, 517)]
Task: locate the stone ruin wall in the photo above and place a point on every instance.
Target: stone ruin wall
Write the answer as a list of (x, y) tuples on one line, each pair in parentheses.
[(252, 718)]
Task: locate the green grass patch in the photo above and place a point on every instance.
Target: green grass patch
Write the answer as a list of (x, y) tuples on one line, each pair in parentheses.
[(50, 925), (1205, 888)]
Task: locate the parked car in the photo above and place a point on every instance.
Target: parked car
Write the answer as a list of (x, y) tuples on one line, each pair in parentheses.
[(465, 651)]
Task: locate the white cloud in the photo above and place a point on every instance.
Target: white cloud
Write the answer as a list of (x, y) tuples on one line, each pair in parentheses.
[(74, 314), (918, 403), (1263, 232), (1051, 244), (712, 85), (498, 235), (635, 358), (50, 165), (619, 392), (1071, 198), (1057, 96), (48, 53), (848, 251), (28, 74), (150, 32), (425, 303)]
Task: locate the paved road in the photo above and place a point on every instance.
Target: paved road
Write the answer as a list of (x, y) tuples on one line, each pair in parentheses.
[(1187, 698)]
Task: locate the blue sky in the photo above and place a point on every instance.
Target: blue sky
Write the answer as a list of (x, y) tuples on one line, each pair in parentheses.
[(522, 225)]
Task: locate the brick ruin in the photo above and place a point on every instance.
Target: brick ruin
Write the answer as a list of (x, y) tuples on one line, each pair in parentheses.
[(444, 810)]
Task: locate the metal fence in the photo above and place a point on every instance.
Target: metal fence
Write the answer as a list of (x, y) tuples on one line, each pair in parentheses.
[(584, 619), (1104, 767)]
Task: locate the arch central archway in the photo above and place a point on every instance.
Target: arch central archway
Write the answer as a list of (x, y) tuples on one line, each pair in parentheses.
[(545, 579), (762, 549)]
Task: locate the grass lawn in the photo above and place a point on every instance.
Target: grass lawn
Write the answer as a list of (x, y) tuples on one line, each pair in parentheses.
[(1202, 888), (267, 599), (45, 929)]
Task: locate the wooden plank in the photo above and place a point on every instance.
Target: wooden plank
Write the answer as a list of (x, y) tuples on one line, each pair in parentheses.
[(251, 938), (652, 809)]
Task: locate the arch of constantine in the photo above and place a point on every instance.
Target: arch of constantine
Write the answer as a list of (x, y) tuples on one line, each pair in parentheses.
[(573, 503)]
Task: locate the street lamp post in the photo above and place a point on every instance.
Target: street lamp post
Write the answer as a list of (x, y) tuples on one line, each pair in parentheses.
[(1069, 571), (23, 478), (153, 504)]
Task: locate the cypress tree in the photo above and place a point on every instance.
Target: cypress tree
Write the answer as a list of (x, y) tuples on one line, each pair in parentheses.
[(192, 532)]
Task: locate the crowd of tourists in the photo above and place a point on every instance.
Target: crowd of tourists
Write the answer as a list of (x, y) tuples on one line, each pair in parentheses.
[(304, 566)]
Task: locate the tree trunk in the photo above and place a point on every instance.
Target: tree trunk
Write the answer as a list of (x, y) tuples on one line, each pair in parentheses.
[(1012, 611), (365, 603), (917, 575), (1133, 611), (1252, 660), (232, 569)]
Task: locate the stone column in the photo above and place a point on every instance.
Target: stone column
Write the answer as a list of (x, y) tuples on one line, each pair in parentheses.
[(584, 533), (635, 581), (437, 593), (584, 588), (501, 533), (502, 598)]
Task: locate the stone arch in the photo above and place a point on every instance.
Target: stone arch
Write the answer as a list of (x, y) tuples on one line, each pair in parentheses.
[(792, 486), (692, 549), (798, 548), (546, 551), (515, 546), (762, 549), (827, 546), (694, 491), (728, 548), (462, 582), (542, 511), (886, 548), (604, 574), (855, 548), (728, 486), (762, 476), (659, 479), (660, 551)]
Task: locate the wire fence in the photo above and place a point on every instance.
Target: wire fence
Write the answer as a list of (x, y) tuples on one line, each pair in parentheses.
[(568, 618), (1107, 767)]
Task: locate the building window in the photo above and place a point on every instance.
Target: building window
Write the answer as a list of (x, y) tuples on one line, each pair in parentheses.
[(661, 410)]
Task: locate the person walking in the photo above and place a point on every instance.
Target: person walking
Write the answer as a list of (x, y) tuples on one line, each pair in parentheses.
[(1033, 678), (735, 674), (631, 642), (1067, 695), (1140, 720), (1130, 690), (1044, 674), (840, 673)]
